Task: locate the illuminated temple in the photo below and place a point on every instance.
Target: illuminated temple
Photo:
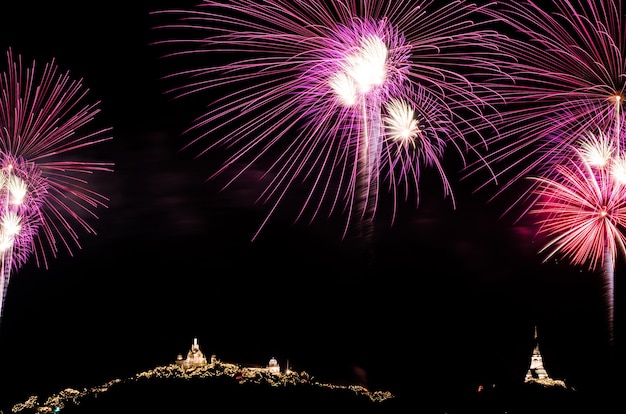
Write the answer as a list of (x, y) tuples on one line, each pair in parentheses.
[(195, 358), (536, 369), (273, 366)]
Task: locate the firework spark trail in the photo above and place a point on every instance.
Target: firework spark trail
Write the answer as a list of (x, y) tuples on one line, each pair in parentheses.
[(582, 210), (305, 86), (43, 197)]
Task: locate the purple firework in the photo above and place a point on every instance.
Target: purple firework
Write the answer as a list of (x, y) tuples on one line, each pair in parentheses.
[(43, 197), (339, 96)]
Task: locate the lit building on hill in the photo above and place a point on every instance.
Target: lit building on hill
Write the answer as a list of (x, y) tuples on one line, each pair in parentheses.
[(273, 367), (195, 357), (536, 369)]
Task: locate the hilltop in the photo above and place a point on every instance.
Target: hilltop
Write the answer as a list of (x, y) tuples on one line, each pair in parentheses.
[(172, 386)]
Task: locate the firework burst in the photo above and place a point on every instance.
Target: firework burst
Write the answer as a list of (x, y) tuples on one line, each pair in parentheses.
[(43, 197), (339, 96), (582, 209), (570, 78)]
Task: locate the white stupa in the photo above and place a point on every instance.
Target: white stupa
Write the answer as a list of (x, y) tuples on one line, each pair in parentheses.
[(536, 369)]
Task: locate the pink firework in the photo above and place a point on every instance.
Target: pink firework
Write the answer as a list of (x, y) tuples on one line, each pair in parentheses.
[(43, 197), (582, 208), (570, 81), (569, 76), (339, 97)]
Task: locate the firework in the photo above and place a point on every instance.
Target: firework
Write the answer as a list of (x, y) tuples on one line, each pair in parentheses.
[(338, 97), (44, 197), (569, 79), (582, 208), (569, 88)]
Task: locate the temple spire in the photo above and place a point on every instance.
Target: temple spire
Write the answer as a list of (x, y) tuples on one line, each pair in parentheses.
[(536, 369)]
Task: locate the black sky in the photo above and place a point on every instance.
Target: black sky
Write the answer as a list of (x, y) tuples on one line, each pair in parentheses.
[(452, 293)]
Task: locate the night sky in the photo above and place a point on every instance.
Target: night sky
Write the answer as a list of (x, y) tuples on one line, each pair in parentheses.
[(451, 294)]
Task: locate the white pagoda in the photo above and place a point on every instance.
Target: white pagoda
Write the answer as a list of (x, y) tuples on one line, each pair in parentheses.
[(536, 369)]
